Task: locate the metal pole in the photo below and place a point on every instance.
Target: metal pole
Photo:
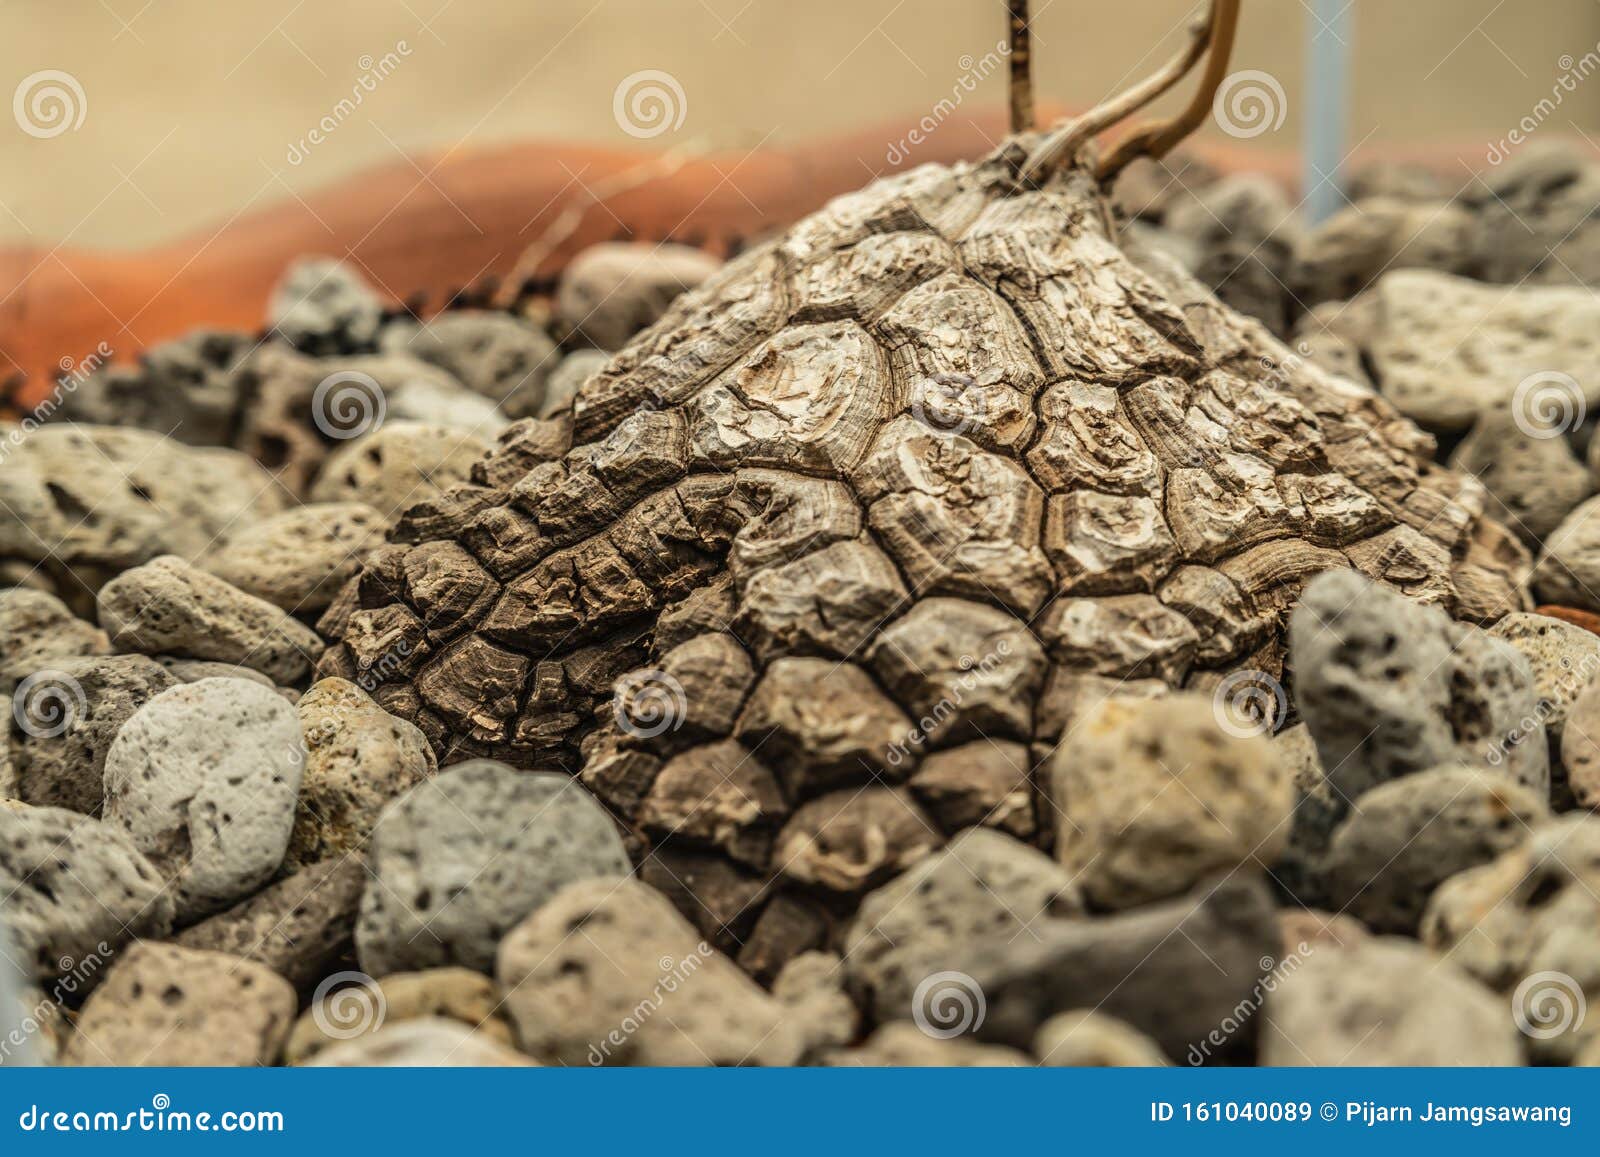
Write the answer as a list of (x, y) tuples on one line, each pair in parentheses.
[(1330, 32)]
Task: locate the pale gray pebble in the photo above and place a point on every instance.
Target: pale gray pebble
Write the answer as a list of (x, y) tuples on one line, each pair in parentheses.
[(451, 406), (1528, 924), (163, 1005), (1402, 839), (168, 607), (36, 629), (613, 290), (903, 1044), (65, 718), (502, 358), (73, 891), (323, 306), (1534, 482), (1386, 1001), (1565, 659), (429, 1042), (1389, 687), (574, 999), (984, 886), (204, 780), (1084, 1038), (1580, 747), (1568, 569), (1317, 812), (567, 378), (462, 857), (1153, 795), (298, 560), (1348, 252)]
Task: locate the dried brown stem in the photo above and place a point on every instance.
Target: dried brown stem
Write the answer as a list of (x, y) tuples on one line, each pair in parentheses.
[(1021, 68), (1158, 139), (1216, 33)]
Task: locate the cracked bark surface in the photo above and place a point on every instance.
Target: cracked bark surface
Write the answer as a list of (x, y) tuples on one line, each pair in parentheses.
[(827, 532)]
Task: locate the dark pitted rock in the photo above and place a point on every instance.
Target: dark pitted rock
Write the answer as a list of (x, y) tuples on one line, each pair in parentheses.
[(325, 307), (65, 717), (301, 926), (497, 356), (1174, 970), (163, 1005), (636, 987), (1389, 688), (1346, 254), (1580, 747), (1385, 1001), (1153, 795), (612, 291), (168, 607), (1244, 229), (462, 857), (203, 780), (74, 891), (1534, 482), (184, 389), (1402, 839)]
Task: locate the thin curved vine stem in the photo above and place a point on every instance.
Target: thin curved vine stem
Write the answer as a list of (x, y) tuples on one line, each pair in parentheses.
[(1158, 139)]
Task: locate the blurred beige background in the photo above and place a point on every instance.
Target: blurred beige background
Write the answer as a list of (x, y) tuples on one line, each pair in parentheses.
[(192, 107)]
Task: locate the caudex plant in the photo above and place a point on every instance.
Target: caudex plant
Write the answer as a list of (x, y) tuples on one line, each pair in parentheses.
[(817, 571)]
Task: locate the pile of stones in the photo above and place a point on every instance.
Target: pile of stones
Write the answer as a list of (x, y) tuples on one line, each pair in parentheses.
[(947, 635)]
